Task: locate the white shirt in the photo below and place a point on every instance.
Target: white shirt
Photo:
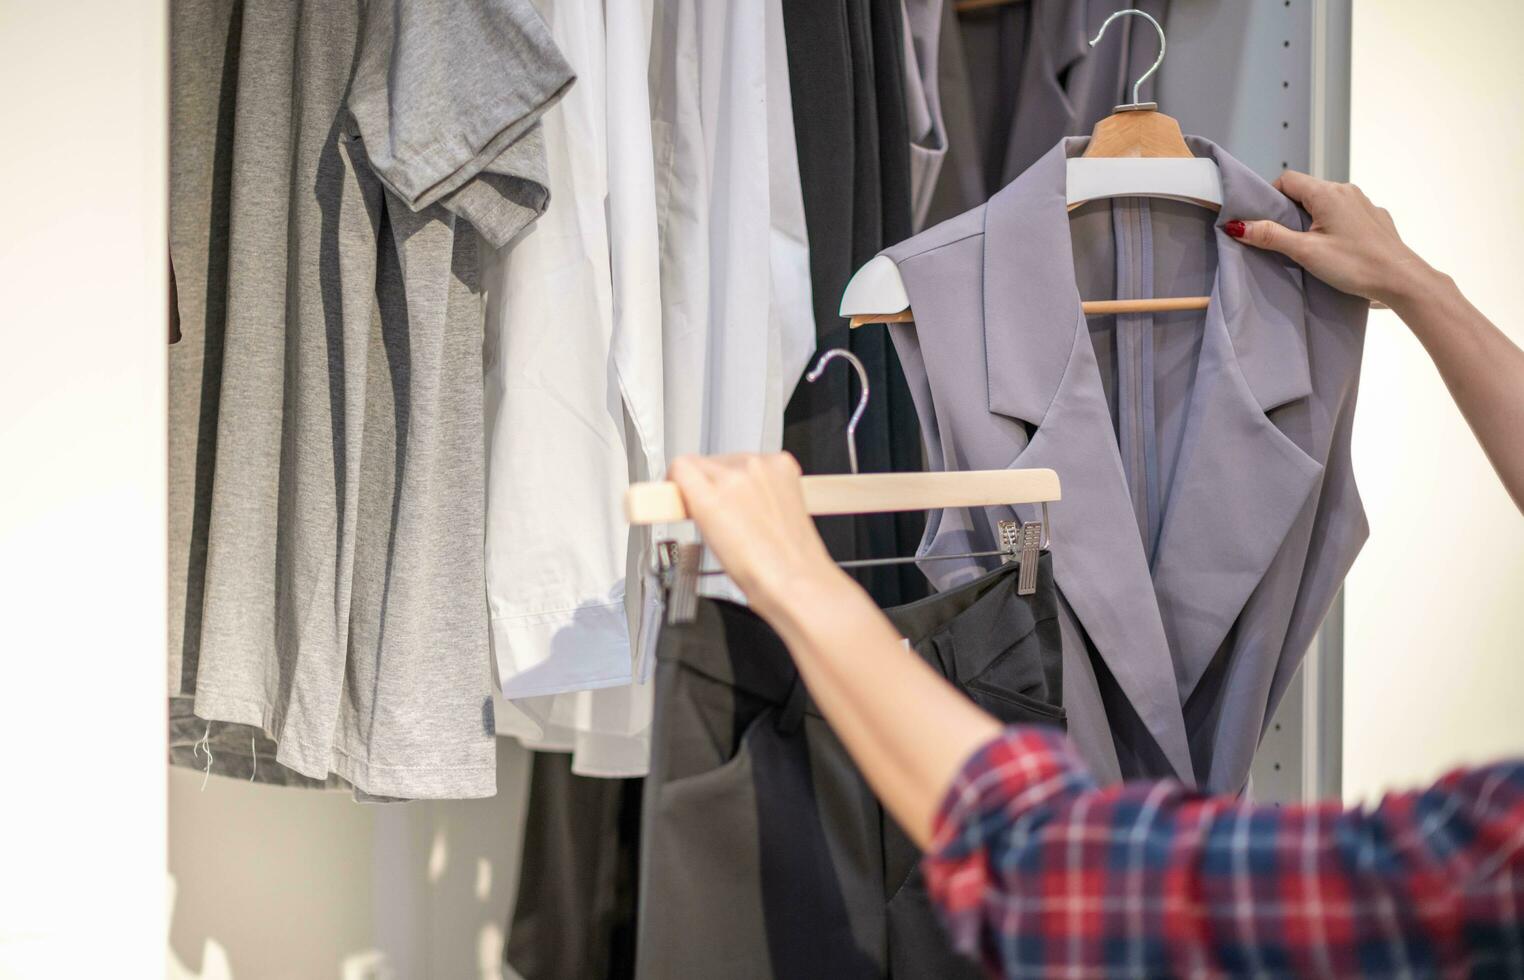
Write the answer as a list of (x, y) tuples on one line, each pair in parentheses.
[(661, 306), (737, 326), (574, 391)]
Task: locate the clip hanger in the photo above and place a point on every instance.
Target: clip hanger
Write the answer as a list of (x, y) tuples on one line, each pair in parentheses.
[(678, 567)]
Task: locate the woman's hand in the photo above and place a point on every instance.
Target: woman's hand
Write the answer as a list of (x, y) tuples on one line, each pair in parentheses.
[(1352, 244), (751, 512)]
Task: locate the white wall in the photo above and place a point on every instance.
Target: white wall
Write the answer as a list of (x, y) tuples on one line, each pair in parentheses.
[(268, 881), (1434, 648), (83, 89)]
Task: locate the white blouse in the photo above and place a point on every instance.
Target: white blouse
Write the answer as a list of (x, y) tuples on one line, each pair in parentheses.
[(661, 306)]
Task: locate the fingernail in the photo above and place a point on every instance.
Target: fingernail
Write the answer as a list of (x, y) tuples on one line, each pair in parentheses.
[(1235, 228)]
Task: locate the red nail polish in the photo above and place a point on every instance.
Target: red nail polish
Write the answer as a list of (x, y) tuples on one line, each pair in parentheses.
[(1235, 228)]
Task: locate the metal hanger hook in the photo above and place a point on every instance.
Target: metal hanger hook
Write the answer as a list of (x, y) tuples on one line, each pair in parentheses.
[(1157, 61), (862, 400)]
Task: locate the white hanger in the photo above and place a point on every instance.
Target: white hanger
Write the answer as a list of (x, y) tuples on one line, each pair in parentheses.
[(876, 292), (1157, 164), (1194, 181)]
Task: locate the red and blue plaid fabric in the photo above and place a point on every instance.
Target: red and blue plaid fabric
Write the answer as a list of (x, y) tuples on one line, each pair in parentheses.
[(1038, 872)]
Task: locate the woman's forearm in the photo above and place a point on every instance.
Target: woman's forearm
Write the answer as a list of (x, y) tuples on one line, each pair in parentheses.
[(1483, 369), (908, 730)]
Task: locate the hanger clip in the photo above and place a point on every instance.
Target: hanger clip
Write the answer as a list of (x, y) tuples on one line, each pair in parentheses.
[(1031, 545), (666, 559), (1010, 532), (680, 564), (1023, 543)]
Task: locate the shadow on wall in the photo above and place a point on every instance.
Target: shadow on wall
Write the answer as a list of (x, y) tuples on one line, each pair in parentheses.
[(270, 881)]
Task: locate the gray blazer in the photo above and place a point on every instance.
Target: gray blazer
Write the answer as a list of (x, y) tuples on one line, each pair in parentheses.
[(1210, 511)]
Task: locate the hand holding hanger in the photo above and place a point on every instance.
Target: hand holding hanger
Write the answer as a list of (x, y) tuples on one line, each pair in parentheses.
[(750, 510), (664, 502)]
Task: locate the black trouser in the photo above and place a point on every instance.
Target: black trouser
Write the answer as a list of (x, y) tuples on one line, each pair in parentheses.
[(763, 851), (575, 914)]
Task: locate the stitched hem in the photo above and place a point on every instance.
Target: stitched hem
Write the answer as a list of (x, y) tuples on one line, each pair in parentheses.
[(515, 692), (319, 763), (583, 648), (557, 614), (424, 173)]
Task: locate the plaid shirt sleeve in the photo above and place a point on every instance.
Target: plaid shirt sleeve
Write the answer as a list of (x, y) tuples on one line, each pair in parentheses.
[(1038, 872)]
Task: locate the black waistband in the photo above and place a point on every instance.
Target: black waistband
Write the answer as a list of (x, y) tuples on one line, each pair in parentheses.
[(729, 643)]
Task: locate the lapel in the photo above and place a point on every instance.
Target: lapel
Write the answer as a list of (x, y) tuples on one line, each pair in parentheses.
[(1042, 369), (1241, 481), (1238, 483)]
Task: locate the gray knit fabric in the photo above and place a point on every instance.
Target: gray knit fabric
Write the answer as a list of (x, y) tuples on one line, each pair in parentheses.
[(328, 622)]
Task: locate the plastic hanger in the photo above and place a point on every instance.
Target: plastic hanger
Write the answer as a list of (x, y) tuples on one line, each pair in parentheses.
[(660, 502), (1137, 151)]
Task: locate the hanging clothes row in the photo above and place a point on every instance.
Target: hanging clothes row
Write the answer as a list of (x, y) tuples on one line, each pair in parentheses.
[(332, 241), (331, 168), (679, 167), (865, 78), (448, 284), (335, 240)]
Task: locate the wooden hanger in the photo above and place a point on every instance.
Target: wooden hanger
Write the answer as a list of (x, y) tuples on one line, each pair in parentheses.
[(1137, 151), (680, 566), (877, 493), (1131, 132), (872, 493)]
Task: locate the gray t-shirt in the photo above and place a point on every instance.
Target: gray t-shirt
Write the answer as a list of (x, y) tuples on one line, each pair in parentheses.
[(327, 619)]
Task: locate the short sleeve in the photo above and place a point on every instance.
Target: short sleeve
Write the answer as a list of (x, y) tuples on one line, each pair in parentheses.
[(448, 95)]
